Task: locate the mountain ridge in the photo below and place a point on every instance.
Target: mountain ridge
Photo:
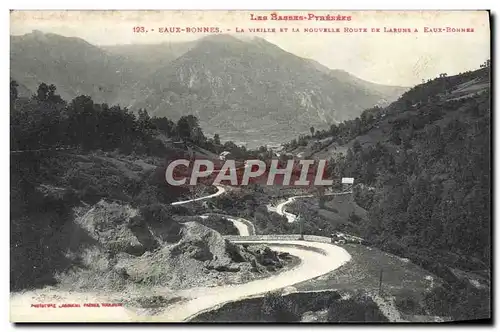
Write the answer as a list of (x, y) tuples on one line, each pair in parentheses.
[(250, 87)]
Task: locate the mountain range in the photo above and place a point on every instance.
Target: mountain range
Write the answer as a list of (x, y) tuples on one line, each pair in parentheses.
[(246, 90)]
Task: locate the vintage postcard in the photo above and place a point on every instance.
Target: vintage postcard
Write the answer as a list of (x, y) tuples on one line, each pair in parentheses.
[(250, 166)]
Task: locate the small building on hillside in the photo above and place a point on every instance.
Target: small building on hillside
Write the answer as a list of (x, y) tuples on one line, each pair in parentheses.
[(348, 180), (347, 184), (179, 144), (224, 155)]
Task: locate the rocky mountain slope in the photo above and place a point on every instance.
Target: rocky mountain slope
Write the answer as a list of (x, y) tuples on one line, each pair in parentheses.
[(124, 250), (256, 87), (75, 66)]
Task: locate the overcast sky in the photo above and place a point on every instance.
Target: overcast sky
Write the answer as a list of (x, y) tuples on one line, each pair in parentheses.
[(387, 58)]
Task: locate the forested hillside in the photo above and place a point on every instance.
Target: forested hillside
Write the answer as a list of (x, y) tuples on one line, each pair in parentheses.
[(427, 183), (423, 169), (67, 157)]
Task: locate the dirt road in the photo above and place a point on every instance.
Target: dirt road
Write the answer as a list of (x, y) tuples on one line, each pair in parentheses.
[(316, 259), (280, 208), (220, 191)]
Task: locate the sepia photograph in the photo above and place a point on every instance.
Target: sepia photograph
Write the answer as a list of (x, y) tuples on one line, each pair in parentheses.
[(250, 166)]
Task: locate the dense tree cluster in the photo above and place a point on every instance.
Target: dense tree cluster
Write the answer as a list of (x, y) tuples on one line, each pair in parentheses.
[(427, 186), (46, 121), (423, 173), (424, 177), (342, 132)]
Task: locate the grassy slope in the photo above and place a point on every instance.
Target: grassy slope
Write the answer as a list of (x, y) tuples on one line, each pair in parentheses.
[(404, 284), (380, 132), (460, 86)]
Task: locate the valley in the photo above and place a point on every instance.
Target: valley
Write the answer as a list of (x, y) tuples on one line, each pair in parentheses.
[(94, 219)]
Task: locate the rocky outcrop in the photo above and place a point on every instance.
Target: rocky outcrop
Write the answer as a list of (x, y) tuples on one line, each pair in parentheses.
[(129, 250)]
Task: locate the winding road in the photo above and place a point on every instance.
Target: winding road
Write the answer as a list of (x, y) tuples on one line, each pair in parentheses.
[(220, 191), (280, 208), (244, 226), (316, 259)]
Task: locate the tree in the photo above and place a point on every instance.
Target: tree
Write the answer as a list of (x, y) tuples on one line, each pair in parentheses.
[(42, 92), (165, 125), (143, 116), (395, 137), (83, 122), (356, 147), (354, 218), (159, 214), (216, 139), (197, 136), (366, 119), (13, 91), (52, 96), (333, 130), (276, 308), (369, 172), (320, 191), (302, 140), (312, 131), (45, 121), (186, 125), (144, 120)]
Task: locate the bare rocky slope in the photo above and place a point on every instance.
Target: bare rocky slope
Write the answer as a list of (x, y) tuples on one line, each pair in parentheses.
[(123, 251), (83, 222), (254, 87)]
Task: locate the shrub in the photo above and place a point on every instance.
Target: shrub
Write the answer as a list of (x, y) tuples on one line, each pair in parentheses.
[(357, 309), (156, 213), (276, 308), (220, 224)]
